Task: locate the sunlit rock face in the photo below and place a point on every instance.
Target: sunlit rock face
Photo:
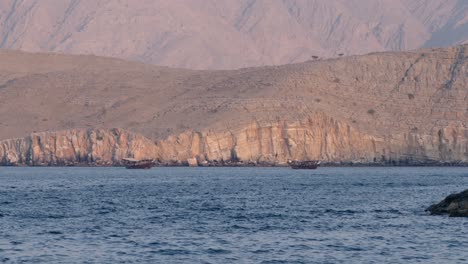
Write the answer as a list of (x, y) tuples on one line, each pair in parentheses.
[(318, 137), (85, 147)]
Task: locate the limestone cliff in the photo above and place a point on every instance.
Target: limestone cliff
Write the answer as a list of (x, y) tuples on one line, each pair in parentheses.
[(85, 147), (317, 137)]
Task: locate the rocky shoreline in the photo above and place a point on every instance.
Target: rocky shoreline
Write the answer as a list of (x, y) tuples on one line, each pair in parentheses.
[(243, 164), (454, 205)]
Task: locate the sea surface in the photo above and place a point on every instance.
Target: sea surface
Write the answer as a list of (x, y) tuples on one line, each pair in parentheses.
[(229, 215)]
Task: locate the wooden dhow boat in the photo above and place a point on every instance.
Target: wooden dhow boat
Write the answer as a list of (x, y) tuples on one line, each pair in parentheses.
[(306, 164), (138, 164)]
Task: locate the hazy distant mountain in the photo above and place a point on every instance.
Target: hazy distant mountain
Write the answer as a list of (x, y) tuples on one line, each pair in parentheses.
[(216, 34)]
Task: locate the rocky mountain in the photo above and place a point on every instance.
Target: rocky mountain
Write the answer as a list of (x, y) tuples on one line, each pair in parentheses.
[(391, 107), (226, 34)]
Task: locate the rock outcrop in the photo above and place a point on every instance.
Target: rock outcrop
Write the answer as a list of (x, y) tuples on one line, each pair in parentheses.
[(454, 205)]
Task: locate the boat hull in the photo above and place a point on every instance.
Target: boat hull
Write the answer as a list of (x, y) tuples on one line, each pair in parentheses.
[(145, 166), (140, 165), (304, 165)]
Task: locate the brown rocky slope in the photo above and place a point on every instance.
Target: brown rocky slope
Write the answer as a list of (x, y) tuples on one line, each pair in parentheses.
[(397, 108)]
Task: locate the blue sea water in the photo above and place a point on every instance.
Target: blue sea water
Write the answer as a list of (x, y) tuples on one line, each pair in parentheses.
[(229, 215)]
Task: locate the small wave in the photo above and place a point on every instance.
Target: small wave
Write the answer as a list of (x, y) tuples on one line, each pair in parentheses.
[(211, 207), (345, 248), (239, 227), (261, 251), (343, 212), (217, 251), (115, 236), (269, 228), (360, 184), (274, 261), (300, 247), (239, 217), (106, 210), (269, 215), (387, 211), (171, 252), (157, 243), (45, 216), (54, 232)]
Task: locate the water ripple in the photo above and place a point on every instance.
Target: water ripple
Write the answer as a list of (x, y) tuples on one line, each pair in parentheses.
[(229, 215)]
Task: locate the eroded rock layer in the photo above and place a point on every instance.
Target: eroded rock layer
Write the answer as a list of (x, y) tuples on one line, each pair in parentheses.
[(319, 137), (84, 147)]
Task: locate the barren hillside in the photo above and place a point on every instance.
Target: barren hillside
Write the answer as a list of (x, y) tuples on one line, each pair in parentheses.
[(225, 34), (381, 106)]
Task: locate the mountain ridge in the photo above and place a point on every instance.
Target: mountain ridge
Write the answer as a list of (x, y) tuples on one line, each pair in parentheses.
[(229, 34)]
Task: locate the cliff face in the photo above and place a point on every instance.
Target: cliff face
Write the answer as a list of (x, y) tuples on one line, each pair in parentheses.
[(86, 147), (317, 137)]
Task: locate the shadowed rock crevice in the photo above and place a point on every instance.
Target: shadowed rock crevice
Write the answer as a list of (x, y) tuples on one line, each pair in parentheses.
[(455, 68)]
